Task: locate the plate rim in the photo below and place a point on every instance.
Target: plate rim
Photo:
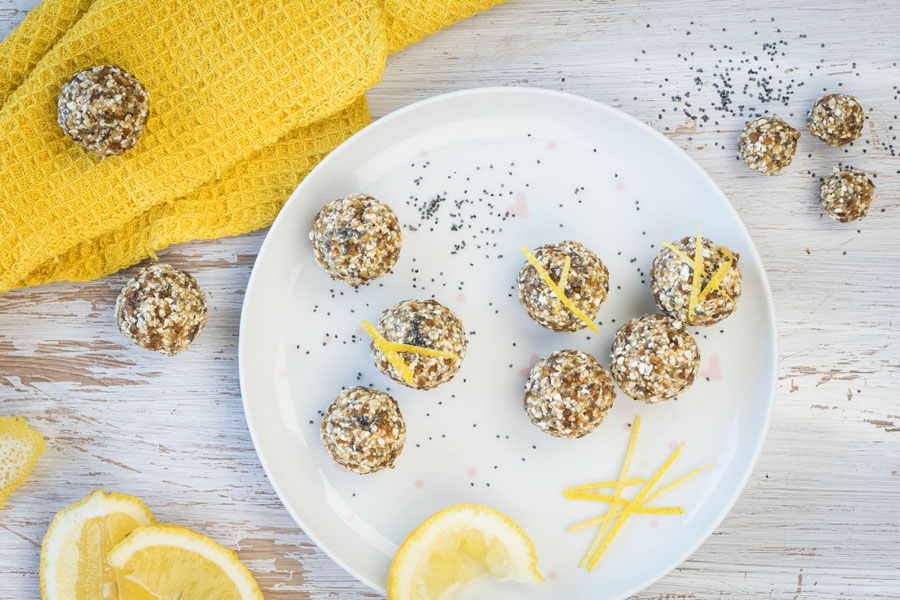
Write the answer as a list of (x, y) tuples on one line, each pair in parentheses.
[(516, 91)]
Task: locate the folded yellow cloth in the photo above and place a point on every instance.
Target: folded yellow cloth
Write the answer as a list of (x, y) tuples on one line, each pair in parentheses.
[(245, 98)]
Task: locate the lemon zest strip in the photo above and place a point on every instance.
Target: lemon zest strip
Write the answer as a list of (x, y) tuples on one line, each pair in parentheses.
[(628, 510), (637, 510), (392, 356), (420, 350), (697, 276), (563, 280), (603, 485), (626, 464), (556, 290)]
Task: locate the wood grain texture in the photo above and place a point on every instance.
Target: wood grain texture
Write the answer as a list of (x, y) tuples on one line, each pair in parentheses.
[(819, 518)]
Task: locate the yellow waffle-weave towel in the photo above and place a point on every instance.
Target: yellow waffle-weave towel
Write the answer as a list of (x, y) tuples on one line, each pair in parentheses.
[(245, 98)]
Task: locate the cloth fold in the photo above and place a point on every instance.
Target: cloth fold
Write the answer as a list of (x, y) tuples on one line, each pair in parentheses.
[(245, 98)]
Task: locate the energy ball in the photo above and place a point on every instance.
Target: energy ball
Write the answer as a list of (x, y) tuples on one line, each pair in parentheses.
[(103, 109), (768, 144), (363, 430), (654, 358), (586, 286), (846, 195), (568, 394), (836, 119), (426, 324), (161, 309), (356, 238), (671, 277)]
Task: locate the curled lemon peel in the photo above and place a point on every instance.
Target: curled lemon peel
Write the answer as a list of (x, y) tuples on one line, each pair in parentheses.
[(696, 276), (563, 280), (623, 474), (20, 447), (556, 290), (628, 511), (620, 509), (603, 485), (391, 351)]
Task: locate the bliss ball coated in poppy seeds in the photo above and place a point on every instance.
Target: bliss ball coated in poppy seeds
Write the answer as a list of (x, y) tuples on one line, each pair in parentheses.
[(568, 394), (836, 119), (356, 239), (586, 285), (426, 324), (363, 430), (768, 145), (671, 277), (161, 309), (654, 358), (846, 194), (103, 109)]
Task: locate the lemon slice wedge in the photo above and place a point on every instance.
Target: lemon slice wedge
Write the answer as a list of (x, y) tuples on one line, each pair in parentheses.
[(20, 446), (172, 562), (75, 546), (456, 547)]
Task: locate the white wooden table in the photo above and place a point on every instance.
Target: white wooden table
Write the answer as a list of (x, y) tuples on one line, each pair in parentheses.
[(820, 517)]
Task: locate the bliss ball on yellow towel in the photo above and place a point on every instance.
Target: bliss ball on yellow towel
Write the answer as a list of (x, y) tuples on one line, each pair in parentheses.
[(161, 309), (103, 109), (356, 238)]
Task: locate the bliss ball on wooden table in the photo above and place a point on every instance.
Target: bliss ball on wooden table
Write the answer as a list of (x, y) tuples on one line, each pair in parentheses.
[(161, 308), (836, 119), (768, 145), (846, 194)]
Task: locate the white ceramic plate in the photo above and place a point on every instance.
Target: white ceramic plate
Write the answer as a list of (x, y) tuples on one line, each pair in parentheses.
[(472, 176)]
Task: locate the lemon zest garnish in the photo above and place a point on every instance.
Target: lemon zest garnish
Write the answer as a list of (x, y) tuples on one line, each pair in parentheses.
[(556, 290), (563, 280), (392, 356), (391, 351), (603, 485), (715, 282), (697, 276), (628, 510), (637, 510), (620, 508), (654, 496), (623, 474)]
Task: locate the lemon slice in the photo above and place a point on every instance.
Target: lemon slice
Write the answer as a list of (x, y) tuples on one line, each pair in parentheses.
[(75, 546), (455, 548), (169, 562), (20, 447)]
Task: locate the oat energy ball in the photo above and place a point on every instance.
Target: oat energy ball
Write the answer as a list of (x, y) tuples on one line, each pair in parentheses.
[(586, 285), (671, 277), (356, 238), (846, 194), (161, 309), (568, 394), (426, 324), (836, 119), (363, 430), (654, 358), (104, 109), (768, 144)]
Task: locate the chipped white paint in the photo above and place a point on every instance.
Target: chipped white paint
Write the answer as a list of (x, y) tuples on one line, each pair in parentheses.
[(819, 517)]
